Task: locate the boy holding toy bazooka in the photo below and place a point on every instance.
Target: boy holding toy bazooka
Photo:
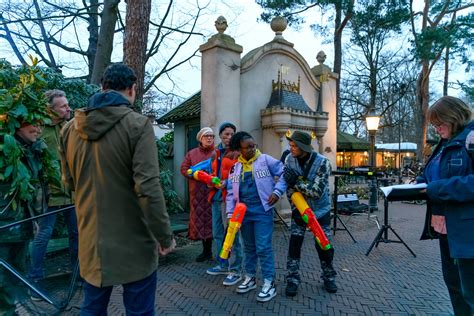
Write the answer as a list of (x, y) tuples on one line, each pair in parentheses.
[(308, 172)]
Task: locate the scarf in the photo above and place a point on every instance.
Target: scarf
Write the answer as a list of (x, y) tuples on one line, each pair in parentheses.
[(247, 165)]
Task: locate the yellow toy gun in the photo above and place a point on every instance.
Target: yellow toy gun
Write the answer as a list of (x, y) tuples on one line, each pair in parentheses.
[(234, 225), (308, 217)]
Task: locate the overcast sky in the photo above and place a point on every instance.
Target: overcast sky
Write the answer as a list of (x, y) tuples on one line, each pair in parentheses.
[(244, 28), (242, 18), (247, 32)]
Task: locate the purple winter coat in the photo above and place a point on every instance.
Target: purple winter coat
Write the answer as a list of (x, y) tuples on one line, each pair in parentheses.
[(265, 169)]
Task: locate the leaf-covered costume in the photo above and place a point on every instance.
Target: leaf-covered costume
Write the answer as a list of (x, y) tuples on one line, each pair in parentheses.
[(25, 168)]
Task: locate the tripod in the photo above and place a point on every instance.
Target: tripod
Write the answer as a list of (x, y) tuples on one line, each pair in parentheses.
[(336, 216), (382, 235)]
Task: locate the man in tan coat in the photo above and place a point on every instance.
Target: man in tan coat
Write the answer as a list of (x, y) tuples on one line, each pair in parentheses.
[(110, 161)]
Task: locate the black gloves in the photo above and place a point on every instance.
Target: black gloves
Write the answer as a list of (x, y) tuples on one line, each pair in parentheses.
[(290, 176)]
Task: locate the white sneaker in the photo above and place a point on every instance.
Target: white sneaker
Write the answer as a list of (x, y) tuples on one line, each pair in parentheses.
[(248, 285), (268, 291)]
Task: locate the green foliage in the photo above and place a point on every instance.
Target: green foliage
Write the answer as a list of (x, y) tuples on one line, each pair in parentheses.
[(77, 90), (372, 21), (22, 101), (449, 29), (168, 138), (166, 179), (21, 96)]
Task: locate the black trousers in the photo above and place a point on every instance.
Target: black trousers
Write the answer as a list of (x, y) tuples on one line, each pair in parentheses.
[(458, 275)]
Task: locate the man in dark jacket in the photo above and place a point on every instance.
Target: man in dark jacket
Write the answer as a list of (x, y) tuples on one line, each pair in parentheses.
[(110, 161), (308, 172)]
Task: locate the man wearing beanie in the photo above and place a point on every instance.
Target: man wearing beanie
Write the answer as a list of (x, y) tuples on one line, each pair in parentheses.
[(200, 214), (225, 159), (308, 172)]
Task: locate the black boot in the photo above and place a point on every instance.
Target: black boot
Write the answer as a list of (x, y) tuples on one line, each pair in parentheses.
[(291, 288), (330, 285), (328, 273), (206, 253)]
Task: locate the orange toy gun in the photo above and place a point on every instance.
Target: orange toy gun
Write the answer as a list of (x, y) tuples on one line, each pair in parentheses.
[(234, 225), (207, 178), (309, 218)]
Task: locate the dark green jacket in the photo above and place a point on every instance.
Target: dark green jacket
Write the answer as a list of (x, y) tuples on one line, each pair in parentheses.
[(58, 194), (110, 162)]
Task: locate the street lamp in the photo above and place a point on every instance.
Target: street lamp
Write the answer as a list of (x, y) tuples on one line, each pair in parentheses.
[(372, 122)]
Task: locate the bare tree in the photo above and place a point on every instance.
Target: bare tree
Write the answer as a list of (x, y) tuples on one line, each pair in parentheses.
[(105, 39), (438, 30), (45, 28)]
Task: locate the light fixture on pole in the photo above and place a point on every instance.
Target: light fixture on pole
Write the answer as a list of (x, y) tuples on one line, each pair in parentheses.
[(372, 122)]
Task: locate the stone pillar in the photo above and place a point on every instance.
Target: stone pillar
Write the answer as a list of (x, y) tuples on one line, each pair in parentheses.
[(327, 103), (220, 79)]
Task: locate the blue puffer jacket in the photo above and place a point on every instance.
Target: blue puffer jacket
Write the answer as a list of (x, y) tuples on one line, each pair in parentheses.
[(453, 194), (265, 169)]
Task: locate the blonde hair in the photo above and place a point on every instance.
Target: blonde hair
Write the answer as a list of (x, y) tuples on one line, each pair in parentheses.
[(452, 111)]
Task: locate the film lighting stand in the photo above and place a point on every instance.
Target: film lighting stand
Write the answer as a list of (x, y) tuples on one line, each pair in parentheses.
[(361, 172)]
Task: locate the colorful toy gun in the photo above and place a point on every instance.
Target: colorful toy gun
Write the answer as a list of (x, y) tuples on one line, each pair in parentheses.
[(309, 218), (206, 178), (234, 225), (205, 165)]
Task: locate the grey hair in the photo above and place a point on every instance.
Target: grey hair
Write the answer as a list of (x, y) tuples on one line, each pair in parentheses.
[(55, 93)]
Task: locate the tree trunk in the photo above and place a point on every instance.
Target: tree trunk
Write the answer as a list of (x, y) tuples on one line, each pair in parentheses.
[(446, 72), (422, 103), (93, 29), (106, 39), (135, 41), (338, 56)]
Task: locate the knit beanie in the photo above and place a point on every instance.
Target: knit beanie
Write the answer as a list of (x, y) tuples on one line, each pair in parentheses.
[(226, 125), (204, 131)]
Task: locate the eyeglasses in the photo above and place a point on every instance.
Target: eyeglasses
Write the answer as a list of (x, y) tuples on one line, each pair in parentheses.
[(438, 126), (249, 147), (209, 136)]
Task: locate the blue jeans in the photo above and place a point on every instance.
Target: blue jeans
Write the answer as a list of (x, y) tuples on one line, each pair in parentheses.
[(257, 236), (458, 275), (235, 260), (138, 298), (44, 231)]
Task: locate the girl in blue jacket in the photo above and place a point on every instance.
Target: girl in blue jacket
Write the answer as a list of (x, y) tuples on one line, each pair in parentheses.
[(252, 182), (449, 174)]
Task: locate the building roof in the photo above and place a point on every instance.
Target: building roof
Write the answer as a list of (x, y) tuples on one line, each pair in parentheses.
[(348, 142), (188, 109), (290, 99), (394, 146)]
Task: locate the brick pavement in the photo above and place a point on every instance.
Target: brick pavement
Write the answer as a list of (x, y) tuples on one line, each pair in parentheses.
[(390, 281)]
